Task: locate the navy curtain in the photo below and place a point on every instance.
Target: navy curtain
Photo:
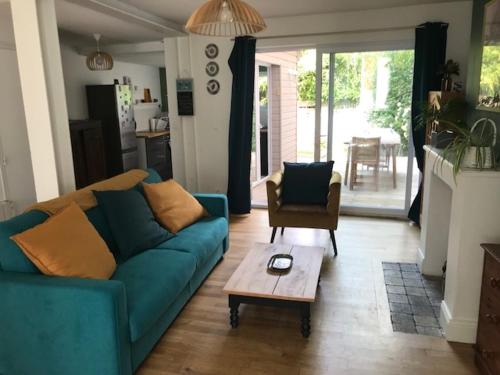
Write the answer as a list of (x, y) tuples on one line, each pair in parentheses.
[(430, 53), (242, 64)]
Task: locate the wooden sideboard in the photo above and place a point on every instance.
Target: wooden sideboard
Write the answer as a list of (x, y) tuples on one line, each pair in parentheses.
[(488, 333), (89, 157)]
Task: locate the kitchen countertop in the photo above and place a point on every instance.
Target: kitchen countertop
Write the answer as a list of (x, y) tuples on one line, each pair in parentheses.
[(145, 134)]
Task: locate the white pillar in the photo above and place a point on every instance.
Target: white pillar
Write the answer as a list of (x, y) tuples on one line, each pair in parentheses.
[(182, 128), (42, 83)]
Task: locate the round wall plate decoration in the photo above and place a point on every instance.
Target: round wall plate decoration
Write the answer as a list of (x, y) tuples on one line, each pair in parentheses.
[(211, 51), (213, 86), (212, 68)]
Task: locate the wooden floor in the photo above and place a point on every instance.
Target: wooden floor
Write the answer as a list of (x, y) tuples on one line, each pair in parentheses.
[(351, 330)]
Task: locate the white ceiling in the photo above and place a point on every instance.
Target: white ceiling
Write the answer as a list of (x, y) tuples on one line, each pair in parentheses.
[(82, 20), (79, 20), (179, 10)]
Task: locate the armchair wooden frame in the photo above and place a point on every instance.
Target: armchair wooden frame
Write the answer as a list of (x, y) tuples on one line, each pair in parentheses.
[(303, 216)]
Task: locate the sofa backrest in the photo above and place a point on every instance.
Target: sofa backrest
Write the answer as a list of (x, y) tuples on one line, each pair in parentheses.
[(12, 257)]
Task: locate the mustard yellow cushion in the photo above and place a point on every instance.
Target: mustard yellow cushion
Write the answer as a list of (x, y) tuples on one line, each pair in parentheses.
[(174, 207), (67, 244)]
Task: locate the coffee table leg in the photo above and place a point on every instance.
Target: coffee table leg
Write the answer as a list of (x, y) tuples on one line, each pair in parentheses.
[(233, 311), (305, 319)]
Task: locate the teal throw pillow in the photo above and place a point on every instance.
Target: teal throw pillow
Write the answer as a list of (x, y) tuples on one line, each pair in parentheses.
[(132, 222)]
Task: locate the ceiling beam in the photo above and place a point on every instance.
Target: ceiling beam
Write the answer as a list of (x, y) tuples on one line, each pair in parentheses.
[(131, 13), (126, 48)]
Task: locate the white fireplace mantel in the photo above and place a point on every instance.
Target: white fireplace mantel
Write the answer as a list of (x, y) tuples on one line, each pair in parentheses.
[(458, 214)]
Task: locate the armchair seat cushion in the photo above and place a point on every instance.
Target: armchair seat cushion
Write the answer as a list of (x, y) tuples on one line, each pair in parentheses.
[(303, 209), (153, 280)]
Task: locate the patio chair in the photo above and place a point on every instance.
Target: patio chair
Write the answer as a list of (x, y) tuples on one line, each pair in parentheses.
[(303, 215), (366, 152)]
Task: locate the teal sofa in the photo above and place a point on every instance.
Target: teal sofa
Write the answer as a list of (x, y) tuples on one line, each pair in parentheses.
[(73, 326)]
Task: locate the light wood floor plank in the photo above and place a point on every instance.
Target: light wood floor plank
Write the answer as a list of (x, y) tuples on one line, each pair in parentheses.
[(351, 329)]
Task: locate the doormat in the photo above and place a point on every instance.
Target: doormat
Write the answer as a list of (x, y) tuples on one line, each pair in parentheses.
[(414, 299)]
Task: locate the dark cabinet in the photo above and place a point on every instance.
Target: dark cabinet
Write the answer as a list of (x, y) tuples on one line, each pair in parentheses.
[(89, 158), (155, 153), (488, 332)]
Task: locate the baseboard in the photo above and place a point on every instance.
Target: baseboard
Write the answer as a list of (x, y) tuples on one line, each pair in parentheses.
[(457, 330)]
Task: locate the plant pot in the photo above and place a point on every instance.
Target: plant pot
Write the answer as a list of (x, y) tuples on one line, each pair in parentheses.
[(441, 140), (473, 156)]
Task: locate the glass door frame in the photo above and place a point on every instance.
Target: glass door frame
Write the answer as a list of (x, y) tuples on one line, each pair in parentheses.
[(259, 179), (351, 48), (256, 102)]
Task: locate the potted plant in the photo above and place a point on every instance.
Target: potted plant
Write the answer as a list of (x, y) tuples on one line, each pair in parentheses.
[(472, 147), (451, 68), (439, 114)]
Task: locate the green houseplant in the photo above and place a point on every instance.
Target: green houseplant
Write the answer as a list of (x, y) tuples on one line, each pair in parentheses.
[(448, 70), (472, 147)]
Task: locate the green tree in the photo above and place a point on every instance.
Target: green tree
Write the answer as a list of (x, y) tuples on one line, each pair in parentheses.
[(396, 113), (490, 71), (347, 81)]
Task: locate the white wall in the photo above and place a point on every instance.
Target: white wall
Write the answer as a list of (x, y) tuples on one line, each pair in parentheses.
[(20, 186), (199, 144), (358, 27), (77, 75)]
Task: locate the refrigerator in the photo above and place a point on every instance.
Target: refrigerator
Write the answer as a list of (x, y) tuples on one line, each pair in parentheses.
[(112, 105)]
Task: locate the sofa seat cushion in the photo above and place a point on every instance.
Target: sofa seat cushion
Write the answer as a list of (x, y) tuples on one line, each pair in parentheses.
[(200, 239), (153, 280)]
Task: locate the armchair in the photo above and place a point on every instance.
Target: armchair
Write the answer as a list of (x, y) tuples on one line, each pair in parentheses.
[(303, 216)]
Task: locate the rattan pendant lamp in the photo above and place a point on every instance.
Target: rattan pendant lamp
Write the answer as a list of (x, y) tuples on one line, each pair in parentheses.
[(99, 60), (225, 18)]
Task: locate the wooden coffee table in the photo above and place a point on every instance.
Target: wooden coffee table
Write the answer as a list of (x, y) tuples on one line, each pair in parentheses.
[(251, 283)]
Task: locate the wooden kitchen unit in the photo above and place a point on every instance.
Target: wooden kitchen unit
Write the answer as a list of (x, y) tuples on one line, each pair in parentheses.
[(154, 152)]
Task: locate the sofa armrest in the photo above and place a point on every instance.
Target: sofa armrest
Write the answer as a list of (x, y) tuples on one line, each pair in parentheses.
[(333, 205), (59, 325), (215, 204), (274, 190)]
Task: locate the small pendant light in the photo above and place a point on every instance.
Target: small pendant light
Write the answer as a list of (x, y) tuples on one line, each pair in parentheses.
[(99, 60)]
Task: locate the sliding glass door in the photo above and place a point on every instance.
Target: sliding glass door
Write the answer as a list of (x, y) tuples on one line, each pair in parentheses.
[(363, 100), (261, 132)]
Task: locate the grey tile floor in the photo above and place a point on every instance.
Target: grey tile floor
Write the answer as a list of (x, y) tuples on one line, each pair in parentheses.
[(414, 299)]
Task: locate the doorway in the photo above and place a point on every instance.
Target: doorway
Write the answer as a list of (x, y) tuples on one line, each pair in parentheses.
[(261, 133), (362, 122)]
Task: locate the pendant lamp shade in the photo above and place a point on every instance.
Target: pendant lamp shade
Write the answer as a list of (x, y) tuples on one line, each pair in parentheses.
[(99, 60), (225, 18)]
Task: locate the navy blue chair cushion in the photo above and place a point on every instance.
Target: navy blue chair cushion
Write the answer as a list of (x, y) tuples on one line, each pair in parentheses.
[(306, 183)]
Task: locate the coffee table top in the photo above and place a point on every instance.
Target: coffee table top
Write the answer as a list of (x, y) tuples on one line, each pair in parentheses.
[(299, 284)]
